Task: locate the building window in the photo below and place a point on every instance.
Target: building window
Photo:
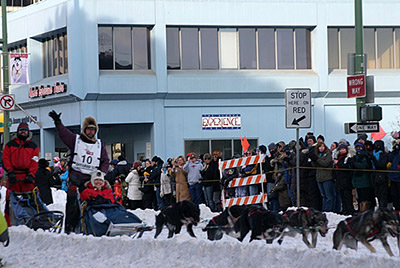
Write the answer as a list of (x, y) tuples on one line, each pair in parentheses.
[(303, 49), (21, 3), (209, 48), (266, 48), (55, 54), (228, 48), (192, 48), (381, 44), (228, 147), (124, 48), (247, 48), (18, 47)]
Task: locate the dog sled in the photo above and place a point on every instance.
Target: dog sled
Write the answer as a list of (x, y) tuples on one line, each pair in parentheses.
[(110, 220), (28, 209)]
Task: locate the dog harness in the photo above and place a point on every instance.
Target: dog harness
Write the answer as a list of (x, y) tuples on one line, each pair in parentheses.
[(308, 216), (355, 233)]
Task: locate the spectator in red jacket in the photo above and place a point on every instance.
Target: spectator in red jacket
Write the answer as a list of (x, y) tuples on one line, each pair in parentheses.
[(96, 187), (20, 160)]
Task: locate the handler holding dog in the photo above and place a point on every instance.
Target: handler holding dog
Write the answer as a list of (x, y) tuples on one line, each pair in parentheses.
[(88, 155)]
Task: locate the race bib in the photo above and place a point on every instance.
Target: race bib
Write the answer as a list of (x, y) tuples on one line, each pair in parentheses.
[(87, 156)]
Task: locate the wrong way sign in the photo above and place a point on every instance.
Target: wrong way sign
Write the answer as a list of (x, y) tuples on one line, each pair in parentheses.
[(298, 107), (7, 102)]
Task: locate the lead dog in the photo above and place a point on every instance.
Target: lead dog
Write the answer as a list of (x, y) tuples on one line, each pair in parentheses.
[(224, 223), (305, 221), (263, 224), (366, 227), (176, 215)]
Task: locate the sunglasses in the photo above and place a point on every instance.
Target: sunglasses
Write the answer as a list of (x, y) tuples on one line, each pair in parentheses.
[(207, 158)]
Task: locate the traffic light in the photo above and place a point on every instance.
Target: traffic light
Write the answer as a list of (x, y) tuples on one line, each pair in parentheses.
[(371, 113)]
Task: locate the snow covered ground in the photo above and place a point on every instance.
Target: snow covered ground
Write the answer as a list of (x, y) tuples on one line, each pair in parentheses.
[(42, 249)]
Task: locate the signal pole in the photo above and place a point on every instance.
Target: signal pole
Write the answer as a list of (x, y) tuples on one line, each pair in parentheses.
[(359, 57), (6, 79)]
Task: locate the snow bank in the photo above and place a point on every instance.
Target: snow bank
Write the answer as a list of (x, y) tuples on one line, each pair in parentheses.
[(42, 249)]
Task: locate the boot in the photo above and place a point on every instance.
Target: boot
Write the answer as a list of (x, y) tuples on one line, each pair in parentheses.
[(364, 206)]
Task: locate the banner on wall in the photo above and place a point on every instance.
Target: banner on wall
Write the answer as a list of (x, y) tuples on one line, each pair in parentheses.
[(221, 121), (19, 68)]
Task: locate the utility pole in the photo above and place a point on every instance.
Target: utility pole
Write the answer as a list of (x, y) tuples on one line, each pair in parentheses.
[(359, 56), (6, 79)]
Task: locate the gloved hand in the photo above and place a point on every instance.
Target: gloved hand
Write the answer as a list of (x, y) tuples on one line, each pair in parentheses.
[(12, 178), (55, 117), (29, 179)]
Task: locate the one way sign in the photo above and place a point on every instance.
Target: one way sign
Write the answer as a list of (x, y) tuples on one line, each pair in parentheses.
[(350, 128), (298, 107)]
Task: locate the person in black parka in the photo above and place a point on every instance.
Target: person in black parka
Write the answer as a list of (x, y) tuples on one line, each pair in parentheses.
[(44, 180)]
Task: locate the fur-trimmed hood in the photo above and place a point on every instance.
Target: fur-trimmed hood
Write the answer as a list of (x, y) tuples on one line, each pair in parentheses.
[(106, 185), (89, 121)]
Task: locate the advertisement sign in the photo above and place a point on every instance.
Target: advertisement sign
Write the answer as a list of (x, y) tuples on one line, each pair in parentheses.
[(19, 68), (221, 121), (43, 91)]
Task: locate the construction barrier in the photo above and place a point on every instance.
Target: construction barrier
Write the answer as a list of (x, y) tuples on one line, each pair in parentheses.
[(254, 179), (253, 199), (244, 161)]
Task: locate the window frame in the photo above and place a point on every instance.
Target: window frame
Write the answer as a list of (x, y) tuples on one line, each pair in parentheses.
[(395, 51), (53, 51), (209, 140), (131, 27), (308, 46)]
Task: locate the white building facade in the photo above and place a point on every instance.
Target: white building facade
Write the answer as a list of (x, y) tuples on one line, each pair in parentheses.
[(156, 74)]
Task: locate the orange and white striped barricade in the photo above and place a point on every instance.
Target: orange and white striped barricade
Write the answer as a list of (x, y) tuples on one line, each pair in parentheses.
[(255, 179), (247, 200)]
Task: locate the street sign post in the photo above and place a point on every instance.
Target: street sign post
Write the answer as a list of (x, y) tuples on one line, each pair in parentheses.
[(298, 115), (298, 107), (356, 86), (7, 102), (350, 128)]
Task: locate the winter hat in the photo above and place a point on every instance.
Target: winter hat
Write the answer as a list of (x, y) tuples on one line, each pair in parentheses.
[(379, 145), (312, 137), (321, 137), (263, 149), (89, 122), (23, 126), (97, 175), (363, 137), (369, 144), (271, 146), (343, 146), (359, 144), (43, 163)]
